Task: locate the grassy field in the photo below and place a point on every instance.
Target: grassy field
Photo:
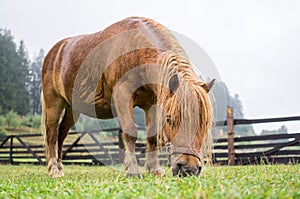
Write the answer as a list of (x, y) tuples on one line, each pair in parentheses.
[(265, 181)]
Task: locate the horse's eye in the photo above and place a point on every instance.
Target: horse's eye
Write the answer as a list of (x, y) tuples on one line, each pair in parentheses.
[(168, 119)]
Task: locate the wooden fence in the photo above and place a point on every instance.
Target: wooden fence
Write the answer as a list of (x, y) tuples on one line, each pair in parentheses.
[(102, 148), (87, 148), (266, 149)]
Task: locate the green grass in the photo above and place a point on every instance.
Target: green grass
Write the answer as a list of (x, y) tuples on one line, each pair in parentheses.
[(264, 181)]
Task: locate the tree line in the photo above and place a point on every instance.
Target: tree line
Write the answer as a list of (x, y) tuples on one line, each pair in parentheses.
[(20, 77), (221, 99)]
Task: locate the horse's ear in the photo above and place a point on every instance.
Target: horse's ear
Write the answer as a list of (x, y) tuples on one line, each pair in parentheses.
[(207, 86), (173, 83)]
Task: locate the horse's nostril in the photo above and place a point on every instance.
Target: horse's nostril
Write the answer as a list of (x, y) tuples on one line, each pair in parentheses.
[(199, 171), (185, 171), (179, 165), (177, 170)]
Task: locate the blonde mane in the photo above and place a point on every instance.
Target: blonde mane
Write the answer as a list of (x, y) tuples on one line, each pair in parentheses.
[(195, 111)]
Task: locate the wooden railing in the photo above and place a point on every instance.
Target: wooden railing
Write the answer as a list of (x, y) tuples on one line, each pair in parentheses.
[(91, 149), (267, 149), (85, 148)]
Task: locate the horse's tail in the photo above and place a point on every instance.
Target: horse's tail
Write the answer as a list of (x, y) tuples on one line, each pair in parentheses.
[(43, 125)]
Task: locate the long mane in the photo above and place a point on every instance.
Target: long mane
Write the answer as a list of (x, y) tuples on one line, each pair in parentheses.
[(195, 112)]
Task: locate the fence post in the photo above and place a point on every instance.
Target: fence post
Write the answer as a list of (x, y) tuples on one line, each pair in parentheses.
[(11, 145), (230, 139), (121, 147)]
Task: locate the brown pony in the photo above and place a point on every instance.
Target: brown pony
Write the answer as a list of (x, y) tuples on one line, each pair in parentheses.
[(134, 62)]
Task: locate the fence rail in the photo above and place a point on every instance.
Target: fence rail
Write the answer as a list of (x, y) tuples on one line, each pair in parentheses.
[(258, 121), (89, 148), (267, 149)]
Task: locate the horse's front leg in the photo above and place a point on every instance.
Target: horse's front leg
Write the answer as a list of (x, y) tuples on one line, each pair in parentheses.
[(152, 161), (130, 160), (123, 104)]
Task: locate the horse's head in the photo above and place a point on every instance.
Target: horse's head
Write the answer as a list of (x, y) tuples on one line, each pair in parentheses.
[(187, 121)]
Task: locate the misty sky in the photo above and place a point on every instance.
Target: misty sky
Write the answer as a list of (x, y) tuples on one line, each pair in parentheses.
[(255, 45)]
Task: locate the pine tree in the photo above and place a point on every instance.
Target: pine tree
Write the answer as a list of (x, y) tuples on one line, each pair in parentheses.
[(23, 80), (13, 75), (35, 73), (7, 67), (238, 110), (221, 100)]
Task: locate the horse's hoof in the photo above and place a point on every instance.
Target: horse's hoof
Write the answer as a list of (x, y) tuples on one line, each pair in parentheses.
[(157, 172), (131, 175), (55, 173), (61, 173)]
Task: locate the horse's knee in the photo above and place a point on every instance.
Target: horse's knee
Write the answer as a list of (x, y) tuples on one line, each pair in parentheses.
[(151, 144), (130, 131), (129, 136)]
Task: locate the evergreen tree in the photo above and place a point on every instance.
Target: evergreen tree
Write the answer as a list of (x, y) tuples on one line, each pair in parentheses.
[(23, 80), (238, 110), (13, 75), (222, 99), (34, 87)]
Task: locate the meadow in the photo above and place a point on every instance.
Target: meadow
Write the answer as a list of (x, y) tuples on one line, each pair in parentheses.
[(260, 181)]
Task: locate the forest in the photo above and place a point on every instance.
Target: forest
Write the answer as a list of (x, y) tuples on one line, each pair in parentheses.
[(20, 77), (20, 80)]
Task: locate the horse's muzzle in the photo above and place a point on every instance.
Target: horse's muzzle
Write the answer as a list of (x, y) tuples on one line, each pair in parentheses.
[(181, 170)]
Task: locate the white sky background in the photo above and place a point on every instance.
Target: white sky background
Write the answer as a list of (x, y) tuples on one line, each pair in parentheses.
[(255, 45)]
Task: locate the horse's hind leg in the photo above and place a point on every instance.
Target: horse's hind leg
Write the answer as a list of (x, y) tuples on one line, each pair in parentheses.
[(69, 119), (53, 106)]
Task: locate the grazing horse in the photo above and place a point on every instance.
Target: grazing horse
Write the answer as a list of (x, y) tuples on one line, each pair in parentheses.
[(134, 62)]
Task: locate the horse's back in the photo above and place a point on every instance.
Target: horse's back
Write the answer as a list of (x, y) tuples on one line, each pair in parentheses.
[(79, 61)]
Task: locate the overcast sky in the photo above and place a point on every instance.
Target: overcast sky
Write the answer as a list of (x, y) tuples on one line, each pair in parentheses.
[(255, 45)]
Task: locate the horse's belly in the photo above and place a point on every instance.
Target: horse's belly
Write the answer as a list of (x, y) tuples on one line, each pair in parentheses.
[(104, 111), (98, 110)]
